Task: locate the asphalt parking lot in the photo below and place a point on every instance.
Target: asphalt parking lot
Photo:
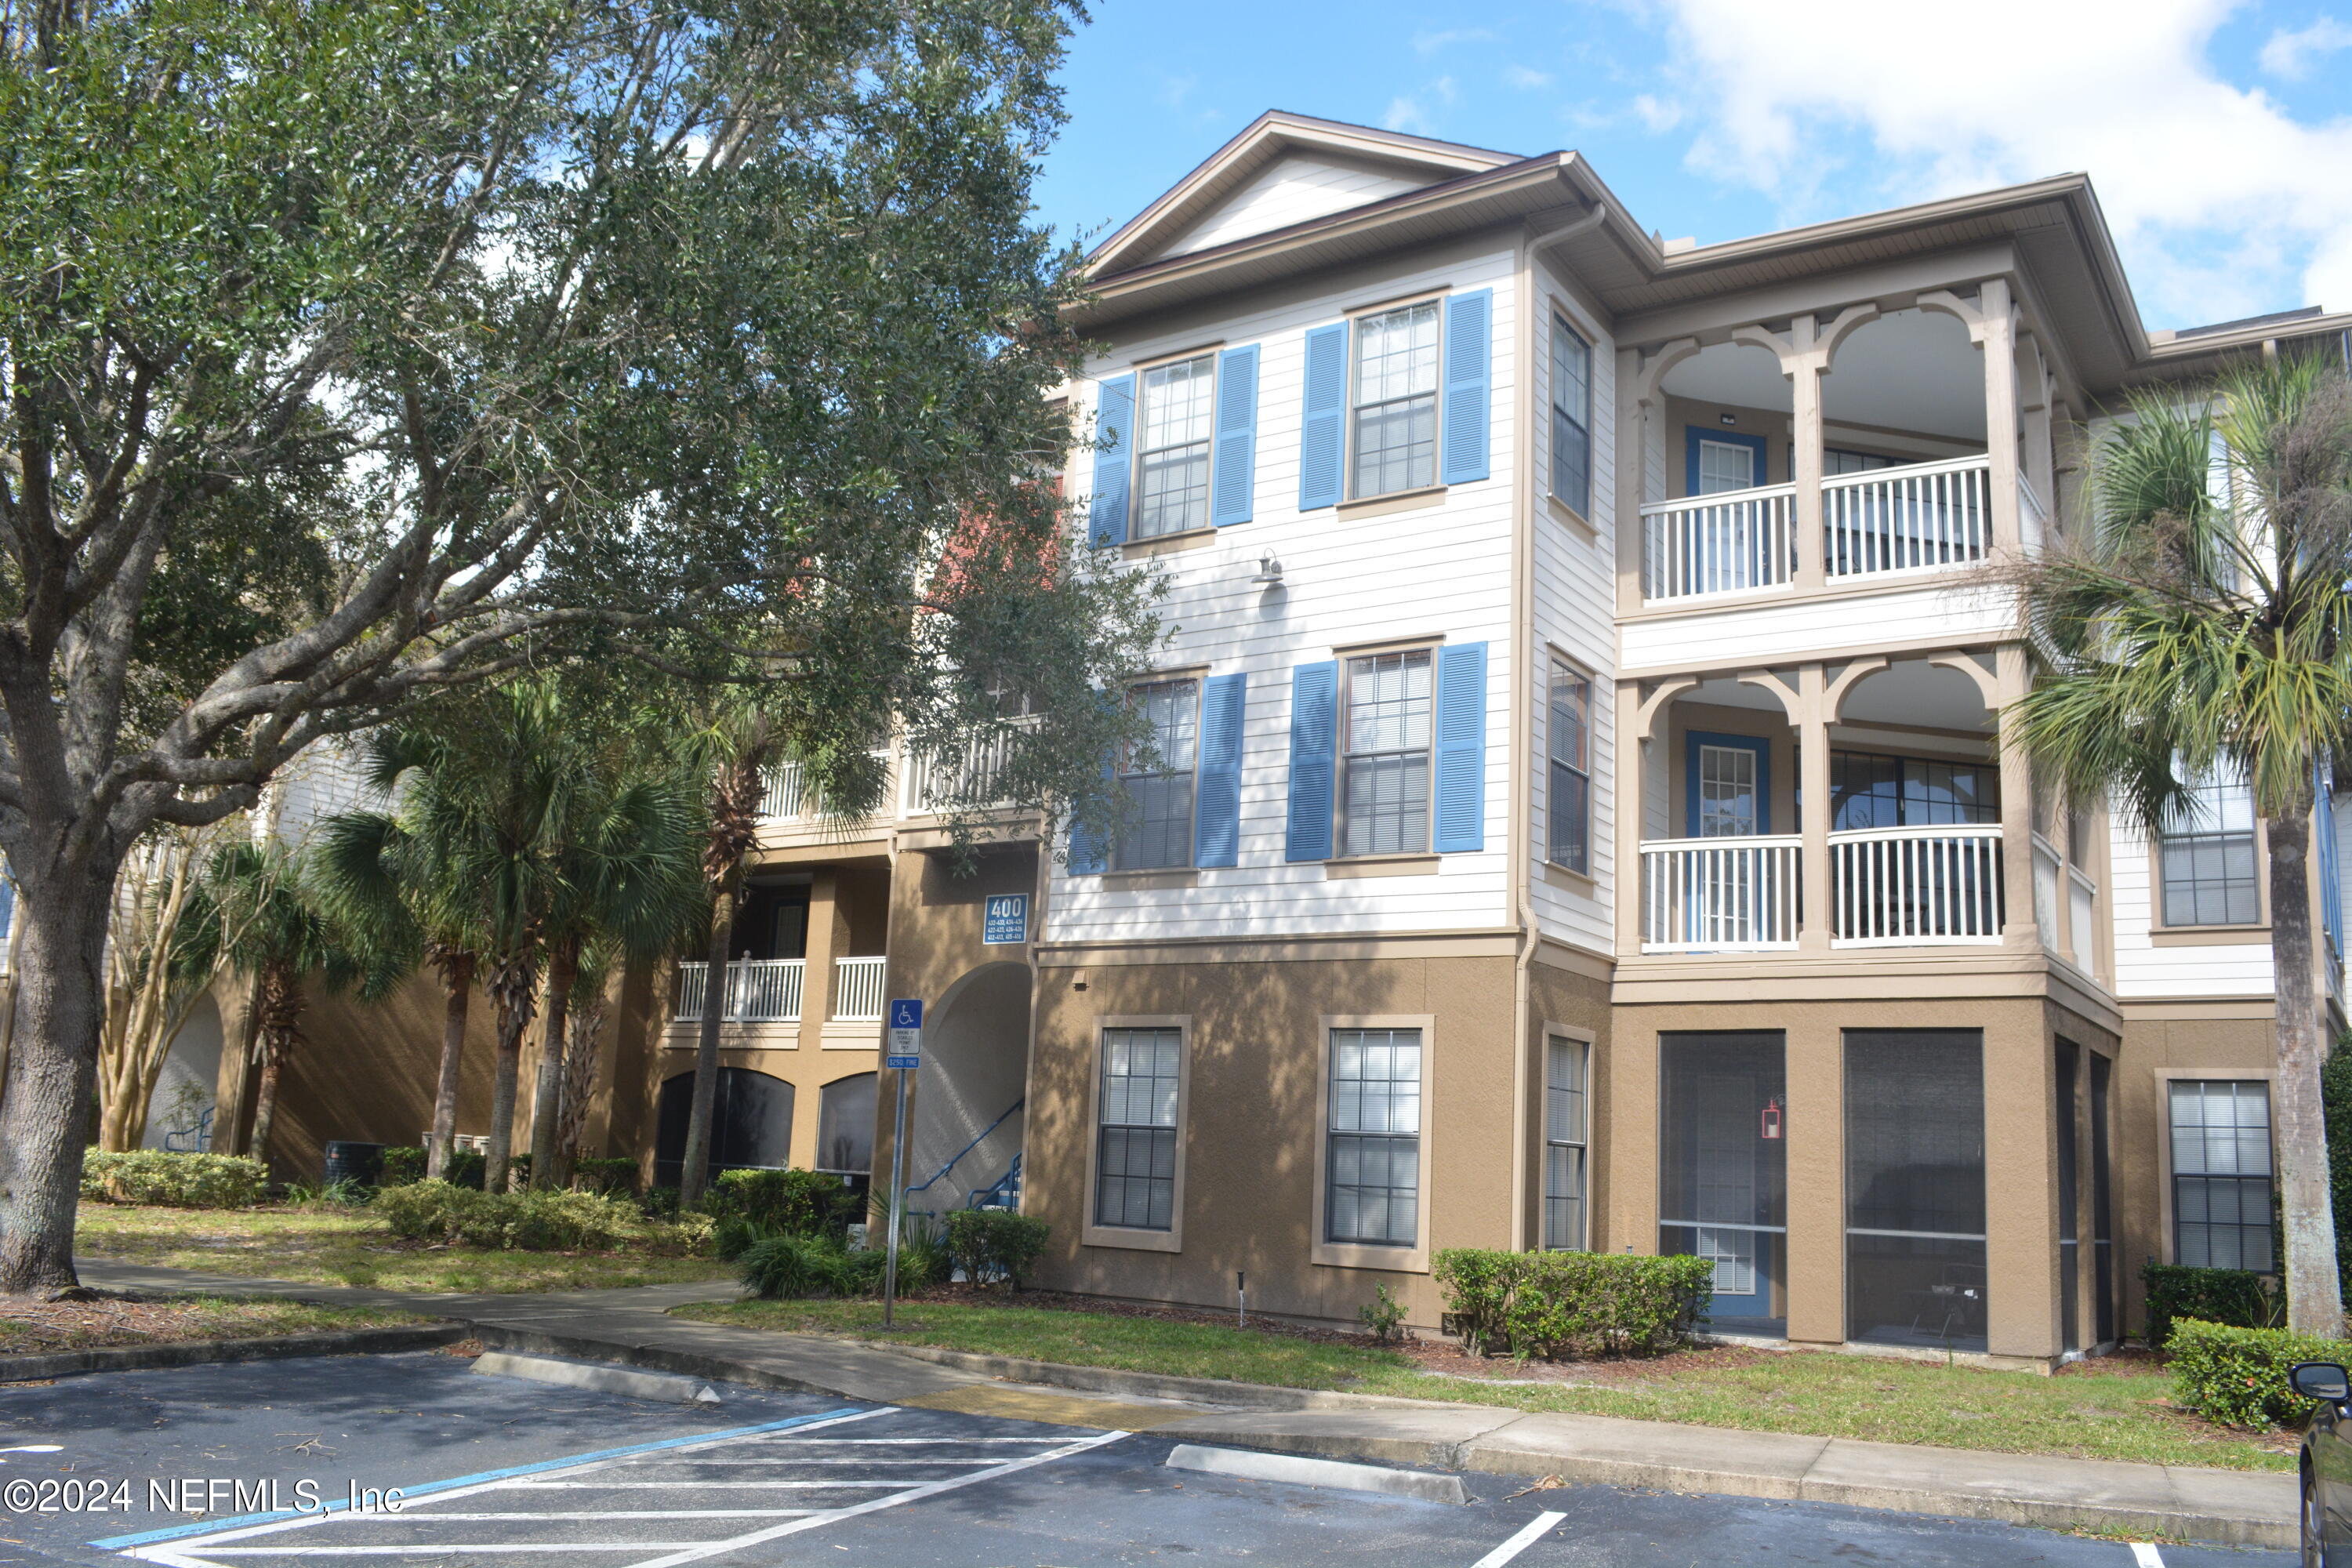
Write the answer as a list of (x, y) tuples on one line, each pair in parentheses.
[(500, 1471)]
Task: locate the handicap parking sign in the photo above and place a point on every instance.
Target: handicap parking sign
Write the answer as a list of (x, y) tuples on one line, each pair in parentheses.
[(906, 1047)]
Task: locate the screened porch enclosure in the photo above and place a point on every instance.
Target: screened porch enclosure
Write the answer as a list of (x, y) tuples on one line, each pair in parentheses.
[(1914, 1157), (1723, 1177)]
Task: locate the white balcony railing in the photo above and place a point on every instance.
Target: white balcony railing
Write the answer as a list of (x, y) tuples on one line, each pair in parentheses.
[(1916, 886), (783, 799), (1716, 895), (2032, 522), (1725, 543), (939, 783), (758, 991), (1910, 519), (2082, 913), (857, 987)]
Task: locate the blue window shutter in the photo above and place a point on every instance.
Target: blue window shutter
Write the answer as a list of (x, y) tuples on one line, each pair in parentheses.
[(1314, 753), (1469, 337), (1217, 826), (1114, 413), (1321, 438), (1090, 852), (1460, 806), (1234, 479)]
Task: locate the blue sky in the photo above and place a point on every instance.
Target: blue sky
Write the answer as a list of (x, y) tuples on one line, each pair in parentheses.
[(2218, 136)]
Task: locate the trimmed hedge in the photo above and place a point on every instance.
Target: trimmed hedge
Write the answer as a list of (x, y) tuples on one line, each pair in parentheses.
[(989, 1245), (402, 1164), (1568, 1306), (2239, 1377), (2238, 1298), (785, 1203), (615, 1178), (175, 1181), (530, 1222)]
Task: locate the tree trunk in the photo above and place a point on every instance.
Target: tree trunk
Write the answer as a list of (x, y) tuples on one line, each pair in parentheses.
[(547, 1101), (457, 979), (693, 1175), (52, 1072), (585, 1028), (511, 980), (2314, 1303), (281, 1007)]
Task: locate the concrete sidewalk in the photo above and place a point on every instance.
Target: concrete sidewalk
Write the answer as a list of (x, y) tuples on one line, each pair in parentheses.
[(631, 1326)]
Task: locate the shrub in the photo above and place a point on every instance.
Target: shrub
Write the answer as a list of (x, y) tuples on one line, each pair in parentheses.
[(402, 1164), (615, 1178), (518, 1171), (1384, 1314), (2238, 1298), (923, 1259), (175, 1181), (788, 1267), (467, 1168), (989, 1245), (532, 1222), (658, 1203), (2238, 1376), (688, 1235), (785, 1203), (344, 1193), (1570, 1305)]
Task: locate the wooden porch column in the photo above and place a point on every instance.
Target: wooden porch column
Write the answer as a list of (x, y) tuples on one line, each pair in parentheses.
[(1813, 793), (2018, 929), (1997, 336), (1630, 800), (1804, 363)]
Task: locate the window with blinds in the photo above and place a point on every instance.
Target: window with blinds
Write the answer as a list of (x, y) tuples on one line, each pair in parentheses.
[(1135, 1158), (1566, 1099), (1372, 1185)]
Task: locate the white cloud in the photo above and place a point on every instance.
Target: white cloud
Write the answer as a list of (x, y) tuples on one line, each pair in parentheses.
[(1658, 116), (1430, 43), (1404, 114), (1521, 77), (2291, 55), (2222, 201)]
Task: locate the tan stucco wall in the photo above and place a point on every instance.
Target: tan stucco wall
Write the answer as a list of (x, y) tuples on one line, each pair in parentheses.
[(1254, 1108)]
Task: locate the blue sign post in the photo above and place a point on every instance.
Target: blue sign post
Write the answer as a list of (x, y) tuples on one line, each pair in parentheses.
[(905, 1053), (1006, 920)]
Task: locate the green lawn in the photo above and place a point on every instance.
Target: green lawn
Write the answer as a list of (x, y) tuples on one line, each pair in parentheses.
[(2110, 1410), (327, 1245), (41, 1327)]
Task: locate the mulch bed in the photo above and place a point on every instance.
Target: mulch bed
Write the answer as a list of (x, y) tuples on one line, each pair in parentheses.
[(30, 1325)]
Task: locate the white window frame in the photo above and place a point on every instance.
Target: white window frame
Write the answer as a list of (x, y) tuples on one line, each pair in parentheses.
[(1354, 409), (1558, 667), (1748, 453), (1348, 755), (1386, 1257), (1581, 503), (1128, 1237), (1552, 1137), (1207, 360), (1128, 771)]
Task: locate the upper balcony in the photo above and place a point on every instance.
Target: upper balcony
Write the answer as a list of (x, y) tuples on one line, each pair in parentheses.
[(923, 789), (1839, 451)]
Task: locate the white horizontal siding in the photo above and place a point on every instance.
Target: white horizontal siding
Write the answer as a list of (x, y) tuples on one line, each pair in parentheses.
[(2144, 970), (1778, 627), (1442, 572), (1293, 191), (1575, 612), (322, 781)]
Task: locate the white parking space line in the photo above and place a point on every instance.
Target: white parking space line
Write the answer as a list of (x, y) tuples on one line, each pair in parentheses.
[(1526, 1538), (2146, 1555), (1003, 1456)]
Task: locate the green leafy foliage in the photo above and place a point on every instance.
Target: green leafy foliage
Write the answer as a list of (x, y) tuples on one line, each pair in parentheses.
[(615, 1178), (175, 1181), (2238, 1298), (2238, 1376), (465, 1168), (992, 1245), (1382, 1315), (790, 1268), (2336, 1107), (402, 1164), (785, 1202), (527, 1221), (1572, 1305)]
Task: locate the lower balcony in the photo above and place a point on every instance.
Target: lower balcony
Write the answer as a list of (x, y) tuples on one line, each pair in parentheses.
[(768, 990), (1889, 887)]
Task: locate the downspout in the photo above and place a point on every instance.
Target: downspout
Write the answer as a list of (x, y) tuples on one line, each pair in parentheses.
[(1523, 633), (1042, 883)]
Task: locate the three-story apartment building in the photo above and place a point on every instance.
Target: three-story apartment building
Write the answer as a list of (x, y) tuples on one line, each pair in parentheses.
[(1577, 818)]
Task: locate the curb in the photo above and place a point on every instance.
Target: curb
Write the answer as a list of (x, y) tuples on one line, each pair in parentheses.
[(1252, 1465), (598, 1379), (1151, 1384), (199, 1352), (652, 1358)]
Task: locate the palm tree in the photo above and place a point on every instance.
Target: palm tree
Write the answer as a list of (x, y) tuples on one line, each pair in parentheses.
[(624, 875), (2204, 623), (253, 915)]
